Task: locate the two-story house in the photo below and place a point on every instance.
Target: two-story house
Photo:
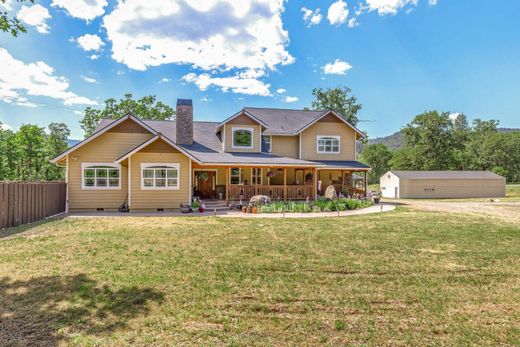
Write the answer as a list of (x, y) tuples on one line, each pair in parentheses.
[(158, 165)]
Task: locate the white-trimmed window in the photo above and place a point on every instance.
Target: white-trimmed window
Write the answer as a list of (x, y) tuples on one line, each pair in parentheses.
[(159, 176), (266, 143), (242, 137), (236, 176), (256, 175), (328, 144), (100, 176)]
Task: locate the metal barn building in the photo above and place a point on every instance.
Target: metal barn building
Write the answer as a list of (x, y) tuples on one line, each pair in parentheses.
[(442, 184)]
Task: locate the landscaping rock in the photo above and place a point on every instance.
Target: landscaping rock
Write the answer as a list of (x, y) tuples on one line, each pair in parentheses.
[(330, 193), (259, 200)]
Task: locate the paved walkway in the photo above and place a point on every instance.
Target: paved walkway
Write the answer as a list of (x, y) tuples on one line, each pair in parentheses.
[(382, 207)]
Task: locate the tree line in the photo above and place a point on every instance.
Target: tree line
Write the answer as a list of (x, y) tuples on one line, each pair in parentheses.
[(435, 141), (25, 154)]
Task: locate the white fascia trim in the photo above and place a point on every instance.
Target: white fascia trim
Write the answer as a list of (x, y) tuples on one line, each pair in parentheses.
[(252, 130), (86, 165), (190, 184), (67, 185), (337, 116), (101, 132), (337, 137), (129, 182), (168, 165), (261, 165)]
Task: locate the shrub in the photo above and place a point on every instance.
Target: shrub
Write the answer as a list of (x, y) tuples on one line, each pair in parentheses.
[(320, 205)]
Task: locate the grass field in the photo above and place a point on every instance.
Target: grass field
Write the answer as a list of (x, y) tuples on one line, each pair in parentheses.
[(399, 278)]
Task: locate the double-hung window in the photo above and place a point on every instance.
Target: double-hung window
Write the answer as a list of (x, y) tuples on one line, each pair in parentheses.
[(100, 176), (236, 175), (155, 176), (256, 175), (242, 137), (328, 144), (266, 143)]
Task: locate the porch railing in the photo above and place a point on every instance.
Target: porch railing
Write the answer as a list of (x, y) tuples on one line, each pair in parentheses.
[(275, 192)]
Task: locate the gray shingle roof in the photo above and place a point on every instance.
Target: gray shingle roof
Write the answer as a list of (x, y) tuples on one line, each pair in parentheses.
[(282, 121), (336, 164), (207, 145), (443, 175)]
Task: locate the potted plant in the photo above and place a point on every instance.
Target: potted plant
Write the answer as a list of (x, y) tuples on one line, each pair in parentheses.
[(249, 209), (202, 207), (195, 205), (376, 198), (244, 209), (254, 209)]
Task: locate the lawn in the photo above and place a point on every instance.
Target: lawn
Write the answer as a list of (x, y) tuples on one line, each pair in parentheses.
[(398, 278)]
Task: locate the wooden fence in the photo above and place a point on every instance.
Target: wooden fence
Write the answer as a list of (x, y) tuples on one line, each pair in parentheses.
[(26, 202)]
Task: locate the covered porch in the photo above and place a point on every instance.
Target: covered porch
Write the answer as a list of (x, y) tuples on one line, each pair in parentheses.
[(235, 183)]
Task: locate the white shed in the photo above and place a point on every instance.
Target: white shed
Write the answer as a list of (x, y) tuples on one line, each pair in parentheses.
[(442, 184)]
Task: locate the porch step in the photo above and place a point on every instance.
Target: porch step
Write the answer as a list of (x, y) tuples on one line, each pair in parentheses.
[(219, 205)]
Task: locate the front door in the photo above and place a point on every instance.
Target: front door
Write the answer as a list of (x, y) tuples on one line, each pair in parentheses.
[(205, 184)]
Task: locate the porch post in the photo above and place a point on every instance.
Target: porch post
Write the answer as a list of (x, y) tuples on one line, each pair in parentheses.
[(285, 183), (227, 183), (366, 183), (315, 182)]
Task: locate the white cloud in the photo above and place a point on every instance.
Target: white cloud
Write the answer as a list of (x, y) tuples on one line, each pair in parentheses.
[(90, 42), (94, 57), (311, 17), (338, 67), (165, 80), (6, 6), (236, 83), (384, 7), (243, 37), (453, 116), (352, 22), (432, 2), (79, 113), (281, 91), (206, 99), (4, 126), (35, 16), (290, 99), (35, 79), (338, 13), (89, 79), (82, 9)]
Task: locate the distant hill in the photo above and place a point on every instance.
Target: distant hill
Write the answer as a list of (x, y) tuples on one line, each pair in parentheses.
[(396, 140)]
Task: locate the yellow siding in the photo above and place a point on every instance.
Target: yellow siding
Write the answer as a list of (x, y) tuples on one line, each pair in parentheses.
[(347, 141), (229, 135), (106, 148), (154, 199), (285, 146)]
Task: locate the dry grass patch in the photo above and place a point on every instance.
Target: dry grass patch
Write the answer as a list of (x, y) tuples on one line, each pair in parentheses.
[(399, 278)]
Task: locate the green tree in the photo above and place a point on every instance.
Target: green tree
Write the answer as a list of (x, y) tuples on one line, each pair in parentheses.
[(339, 100), (460, 136), (378, 157), (7, 154), (11, 24), (429, 141), (479, 147), (56, 142), (145, 108), (30, 151)]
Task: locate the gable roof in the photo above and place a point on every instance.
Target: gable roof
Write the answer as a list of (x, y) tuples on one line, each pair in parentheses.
[(159, 136), (444, 175), (245, 113), (109, 124)]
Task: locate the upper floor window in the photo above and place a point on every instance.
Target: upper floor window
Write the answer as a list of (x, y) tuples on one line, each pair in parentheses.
[(101, 176), (328, 144), (156, 176), (266, 143), (242, 138)]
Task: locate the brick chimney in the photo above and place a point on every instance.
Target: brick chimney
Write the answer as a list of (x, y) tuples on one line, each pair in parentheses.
[(184, 117)]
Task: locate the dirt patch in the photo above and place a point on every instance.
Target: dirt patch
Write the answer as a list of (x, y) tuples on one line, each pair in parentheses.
[(509, 211)]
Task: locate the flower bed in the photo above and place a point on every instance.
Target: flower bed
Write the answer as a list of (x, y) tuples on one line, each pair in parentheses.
[(341, 204)]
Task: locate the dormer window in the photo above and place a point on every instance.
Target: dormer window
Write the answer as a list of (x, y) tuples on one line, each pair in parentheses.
[(327, 144), (242, 137)]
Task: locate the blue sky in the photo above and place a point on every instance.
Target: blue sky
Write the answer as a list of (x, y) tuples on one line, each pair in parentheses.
[(400, 57)]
